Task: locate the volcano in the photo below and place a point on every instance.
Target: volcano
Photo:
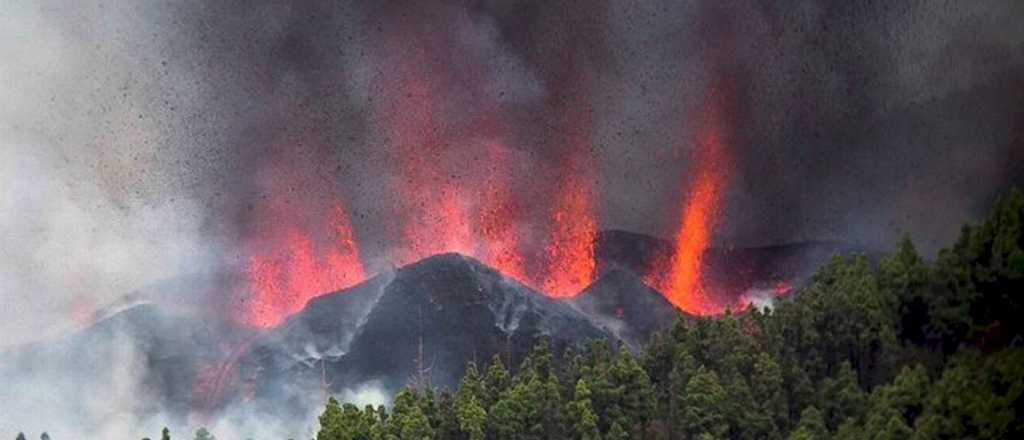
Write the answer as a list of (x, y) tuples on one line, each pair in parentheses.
[(451, 307), (176, 359), (420, 323), (729, 273), (424, 322), (622, 303)]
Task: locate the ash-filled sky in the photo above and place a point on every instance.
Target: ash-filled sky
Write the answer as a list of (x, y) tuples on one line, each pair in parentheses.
[(141, 141)]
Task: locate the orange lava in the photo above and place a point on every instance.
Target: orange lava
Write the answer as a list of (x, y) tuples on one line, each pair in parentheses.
[(570, 251), (449, 203), (285, 280), (443, 200), (680, 279), (433, 206), (500, 247)]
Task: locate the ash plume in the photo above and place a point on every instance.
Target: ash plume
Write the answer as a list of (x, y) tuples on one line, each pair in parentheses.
[(150, 144)]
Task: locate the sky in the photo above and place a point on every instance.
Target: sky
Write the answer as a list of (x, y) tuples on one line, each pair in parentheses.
[(145, 141)]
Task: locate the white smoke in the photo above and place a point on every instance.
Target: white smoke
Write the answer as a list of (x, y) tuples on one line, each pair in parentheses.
[(88, 212)]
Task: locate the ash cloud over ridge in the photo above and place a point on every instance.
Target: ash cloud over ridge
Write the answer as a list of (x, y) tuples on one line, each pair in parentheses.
[(141, 140)]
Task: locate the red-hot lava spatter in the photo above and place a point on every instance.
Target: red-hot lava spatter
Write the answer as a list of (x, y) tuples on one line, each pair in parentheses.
[(570, 251), (433, 207), (297, 270), (449, 204), (500, 247), (679, 276)]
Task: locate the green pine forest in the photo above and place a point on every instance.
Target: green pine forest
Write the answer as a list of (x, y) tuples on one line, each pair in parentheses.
[(902, 349)]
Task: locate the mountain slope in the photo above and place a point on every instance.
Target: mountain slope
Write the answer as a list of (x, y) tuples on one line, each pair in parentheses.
[(426, 321), (632, 311), (460, 310)]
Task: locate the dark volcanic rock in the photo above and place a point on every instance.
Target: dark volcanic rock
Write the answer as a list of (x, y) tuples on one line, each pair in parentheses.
[(457, 310), (325, 327), (427, 319), (449, 307), (615, 249), (290, 364), (622, 303), (730, 272)]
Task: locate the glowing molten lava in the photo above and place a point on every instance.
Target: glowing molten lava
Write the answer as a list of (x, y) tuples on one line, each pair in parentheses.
[(570, 251), (680, 279), (436, 215), (297, 271), (449, 202), (454, 187), (495, 219)]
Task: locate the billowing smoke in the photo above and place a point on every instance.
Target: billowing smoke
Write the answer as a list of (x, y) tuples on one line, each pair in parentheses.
[(150, 146)]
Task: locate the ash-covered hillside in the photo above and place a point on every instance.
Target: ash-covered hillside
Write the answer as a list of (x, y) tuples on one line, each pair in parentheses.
[(424, 323), (421, 322)]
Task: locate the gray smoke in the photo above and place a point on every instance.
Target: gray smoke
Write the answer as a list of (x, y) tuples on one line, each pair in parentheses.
[(141, 141)]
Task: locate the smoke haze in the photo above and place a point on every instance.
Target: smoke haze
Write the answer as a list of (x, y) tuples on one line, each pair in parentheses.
[(141, 143)]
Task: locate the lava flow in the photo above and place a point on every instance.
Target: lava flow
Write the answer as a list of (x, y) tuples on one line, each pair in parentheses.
[(679, 276)]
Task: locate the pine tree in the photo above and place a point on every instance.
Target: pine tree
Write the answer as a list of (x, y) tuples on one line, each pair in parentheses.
[(849, 430), (407, 420), (428, 404), (976, 397), (684, 367), (903, 399), (634, 399), (811, 426), (471, 387), (472, 419), (356, 424), (496, 382), (415, 426), (903, 276), (842, 398), (583, 419), (703, 406), (506, 419), (768, 394), (165, 434), (468, 400), (617, 432), (332, 425), (20, 436), (539, 361), (448, 424), (542, 406)]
